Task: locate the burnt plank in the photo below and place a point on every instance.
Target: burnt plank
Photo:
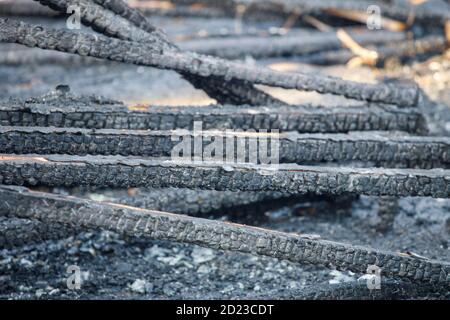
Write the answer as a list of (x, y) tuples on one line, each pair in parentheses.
[(378, 147), (116, 171)]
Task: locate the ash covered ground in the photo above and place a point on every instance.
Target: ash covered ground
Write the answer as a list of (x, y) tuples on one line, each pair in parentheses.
[(123, 268)]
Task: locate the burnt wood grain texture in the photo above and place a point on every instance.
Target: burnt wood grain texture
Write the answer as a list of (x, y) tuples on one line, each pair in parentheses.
[(377, 147), (145, 54), (116, 171), (94, 113), (51, 208)]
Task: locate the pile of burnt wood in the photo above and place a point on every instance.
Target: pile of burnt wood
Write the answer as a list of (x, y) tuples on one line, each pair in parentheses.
[(378, 148)]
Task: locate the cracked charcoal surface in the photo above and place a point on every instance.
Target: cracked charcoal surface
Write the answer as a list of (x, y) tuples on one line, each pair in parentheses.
[(88, 112), (425, 152)]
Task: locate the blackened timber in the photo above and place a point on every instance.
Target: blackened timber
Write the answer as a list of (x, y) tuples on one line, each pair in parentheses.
[(123, 172), (84, 112), (107, 22), (378, 147), (144, 54), (51, 208)]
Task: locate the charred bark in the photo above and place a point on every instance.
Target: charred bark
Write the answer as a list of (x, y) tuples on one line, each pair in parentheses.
[(91, 113)]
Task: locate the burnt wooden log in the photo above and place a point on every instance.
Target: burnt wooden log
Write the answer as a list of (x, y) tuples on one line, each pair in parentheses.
[(95, 113), (192, 63), (380, 148), (50, 208), (15, 57), (122, 172)]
